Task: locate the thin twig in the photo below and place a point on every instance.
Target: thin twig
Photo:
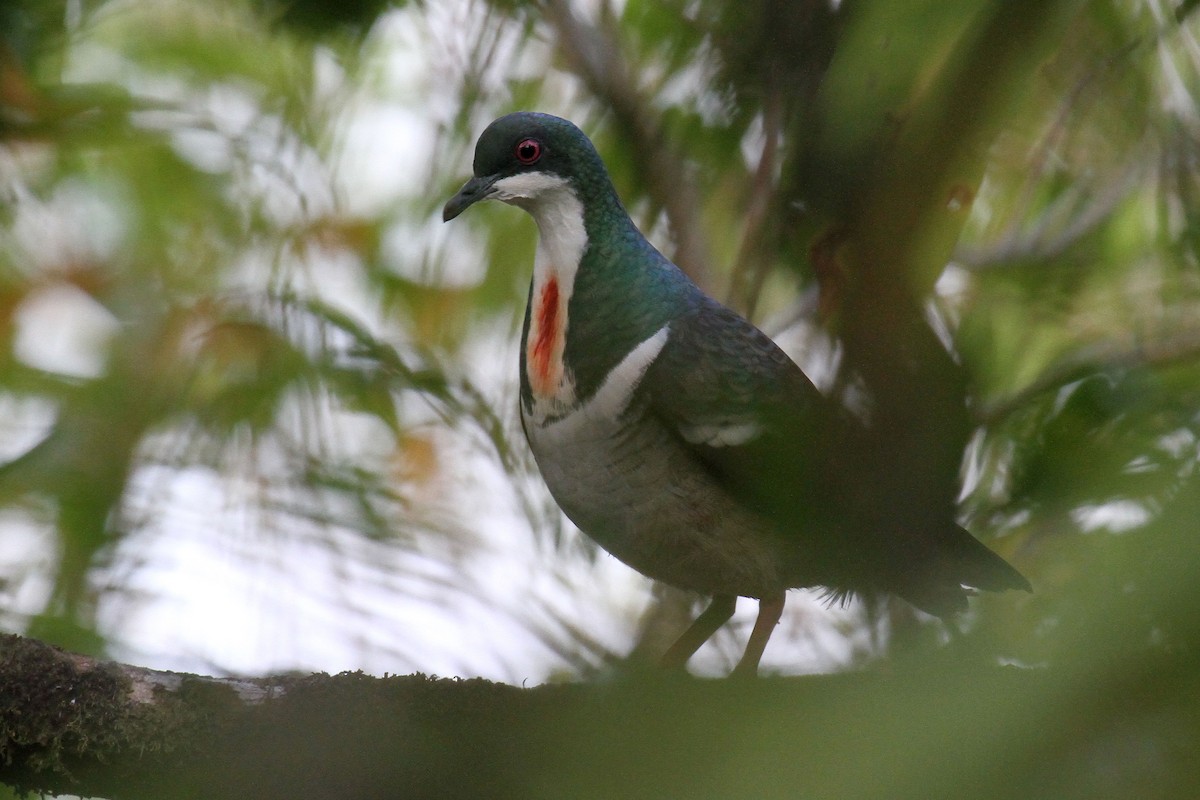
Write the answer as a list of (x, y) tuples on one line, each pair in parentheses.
[(750, 268), (1101, 357)]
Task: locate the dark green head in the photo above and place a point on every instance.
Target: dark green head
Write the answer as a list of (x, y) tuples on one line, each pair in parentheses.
[(523, 155)]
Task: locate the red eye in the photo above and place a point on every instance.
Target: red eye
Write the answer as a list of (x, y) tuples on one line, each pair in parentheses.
[(528, 151)]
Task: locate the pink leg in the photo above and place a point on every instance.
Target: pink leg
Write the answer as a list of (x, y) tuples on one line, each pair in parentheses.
[(717, 614), (770, 609)]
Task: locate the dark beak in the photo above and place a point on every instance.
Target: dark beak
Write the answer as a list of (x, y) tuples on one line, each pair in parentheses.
[(472, 192)]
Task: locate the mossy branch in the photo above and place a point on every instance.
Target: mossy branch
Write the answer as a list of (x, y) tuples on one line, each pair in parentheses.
[(949, 724)]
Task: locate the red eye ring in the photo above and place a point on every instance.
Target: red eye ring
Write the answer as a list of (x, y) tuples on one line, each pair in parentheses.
[(528, 151)]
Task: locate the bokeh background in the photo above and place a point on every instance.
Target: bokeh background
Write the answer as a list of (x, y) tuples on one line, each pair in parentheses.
[(257, 404)]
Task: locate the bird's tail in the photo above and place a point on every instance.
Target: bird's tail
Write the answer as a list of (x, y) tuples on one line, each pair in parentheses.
[(962, 561), (977, 566)]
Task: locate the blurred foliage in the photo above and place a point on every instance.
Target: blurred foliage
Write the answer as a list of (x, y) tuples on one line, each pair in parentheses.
[(189, 179), (170, 177)]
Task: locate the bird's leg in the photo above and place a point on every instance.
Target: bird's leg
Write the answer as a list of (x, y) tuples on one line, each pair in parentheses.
[(770, 609), (717, 614)]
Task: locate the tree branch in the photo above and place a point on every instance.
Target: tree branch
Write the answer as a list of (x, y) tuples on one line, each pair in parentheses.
[(948, 724)]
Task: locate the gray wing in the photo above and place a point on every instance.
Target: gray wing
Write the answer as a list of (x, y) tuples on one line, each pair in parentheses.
[(743, 409)]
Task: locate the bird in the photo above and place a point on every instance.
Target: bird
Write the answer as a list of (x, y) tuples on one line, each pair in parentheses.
[(675, 433)]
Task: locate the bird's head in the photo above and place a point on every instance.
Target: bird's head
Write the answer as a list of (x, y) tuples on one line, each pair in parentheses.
[(526, 158)]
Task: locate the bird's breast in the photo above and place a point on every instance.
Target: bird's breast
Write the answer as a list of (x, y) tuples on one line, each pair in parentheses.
[(621, 476), (562, 240)]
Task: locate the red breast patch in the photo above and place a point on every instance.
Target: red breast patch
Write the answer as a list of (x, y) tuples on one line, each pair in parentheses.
[(542, 354)]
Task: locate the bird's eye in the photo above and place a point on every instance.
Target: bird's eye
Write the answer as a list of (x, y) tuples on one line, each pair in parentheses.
[(529, 151)]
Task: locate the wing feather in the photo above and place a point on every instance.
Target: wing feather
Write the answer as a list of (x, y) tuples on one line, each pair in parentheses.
[(742, 407)]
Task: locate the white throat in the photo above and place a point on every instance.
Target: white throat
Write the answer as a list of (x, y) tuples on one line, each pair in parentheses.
[(562, 239)]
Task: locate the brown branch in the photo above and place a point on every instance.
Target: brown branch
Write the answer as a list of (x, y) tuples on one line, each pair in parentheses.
[(72, 724), (80, 726), (751, 266)]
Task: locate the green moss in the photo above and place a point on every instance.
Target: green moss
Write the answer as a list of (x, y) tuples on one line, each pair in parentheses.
[(57, 710)]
